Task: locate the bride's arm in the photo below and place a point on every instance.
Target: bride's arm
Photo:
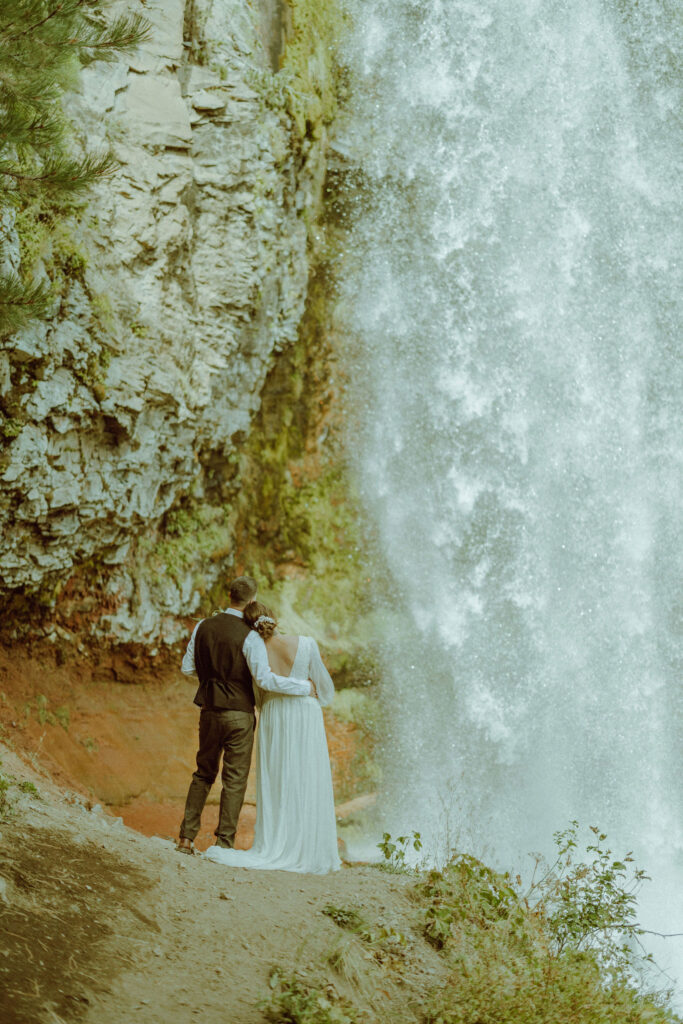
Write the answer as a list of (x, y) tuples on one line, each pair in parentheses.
[(254, 650), (320, 676), (188, 666)]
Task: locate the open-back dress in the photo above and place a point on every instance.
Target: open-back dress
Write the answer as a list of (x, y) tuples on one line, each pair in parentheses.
[(295, 821)]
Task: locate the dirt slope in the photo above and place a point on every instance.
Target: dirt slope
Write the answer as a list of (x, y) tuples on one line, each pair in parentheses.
[(102, 925)]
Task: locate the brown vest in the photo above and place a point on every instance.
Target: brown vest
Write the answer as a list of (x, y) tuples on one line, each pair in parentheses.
[(224, 677)]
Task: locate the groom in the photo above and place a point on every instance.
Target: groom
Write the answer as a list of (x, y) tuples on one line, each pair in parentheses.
[(227, 670)]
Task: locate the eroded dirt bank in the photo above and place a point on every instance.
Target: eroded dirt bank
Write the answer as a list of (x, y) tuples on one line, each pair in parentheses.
[(119, 728)]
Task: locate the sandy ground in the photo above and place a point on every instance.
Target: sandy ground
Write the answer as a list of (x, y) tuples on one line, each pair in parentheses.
[(103, 925)]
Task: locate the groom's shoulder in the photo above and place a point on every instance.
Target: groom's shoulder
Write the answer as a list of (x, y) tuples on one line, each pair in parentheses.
[(223, 623)]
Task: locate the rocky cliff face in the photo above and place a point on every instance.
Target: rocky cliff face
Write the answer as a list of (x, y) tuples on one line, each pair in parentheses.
[(176, 285)]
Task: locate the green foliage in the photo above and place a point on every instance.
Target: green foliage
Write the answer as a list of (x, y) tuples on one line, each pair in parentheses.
[(4, 790), (10, 427), (310, 63), (294, 1001), (308, 84), (189, 533), (344, 917), (466, 890), (6, 784), (382, 941), (290, 490), (394, 852), (590, 904), (357, 707), (43, 45), (491, 983), (69, 258), (545, 955), (63, 716), (44, 716)]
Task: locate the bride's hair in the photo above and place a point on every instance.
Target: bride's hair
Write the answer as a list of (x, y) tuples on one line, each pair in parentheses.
[(261, 618)]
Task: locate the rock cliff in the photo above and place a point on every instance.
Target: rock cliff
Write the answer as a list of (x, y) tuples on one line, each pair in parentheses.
[(125, 414)]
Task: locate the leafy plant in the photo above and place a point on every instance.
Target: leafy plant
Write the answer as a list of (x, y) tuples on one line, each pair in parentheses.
[(294, 1001), (490, 983), (394, 852), (344, 917), (558, 952), (466, 890), (382, 941), (44, 715), (589, 903), (63, 716), (28, 787)]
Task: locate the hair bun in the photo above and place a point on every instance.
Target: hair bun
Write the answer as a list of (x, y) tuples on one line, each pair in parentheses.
[(265, 626)]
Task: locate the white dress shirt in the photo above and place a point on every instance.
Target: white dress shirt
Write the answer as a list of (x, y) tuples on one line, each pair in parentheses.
[(254, 650)]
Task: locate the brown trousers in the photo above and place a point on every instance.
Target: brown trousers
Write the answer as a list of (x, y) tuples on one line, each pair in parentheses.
[(230, 733)]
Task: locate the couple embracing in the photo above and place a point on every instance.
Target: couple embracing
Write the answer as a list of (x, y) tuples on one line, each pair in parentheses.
[(243, 662)]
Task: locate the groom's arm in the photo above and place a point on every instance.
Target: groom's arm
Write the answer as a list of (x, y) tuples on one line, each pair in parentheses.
[(188, 666), (255, 652)]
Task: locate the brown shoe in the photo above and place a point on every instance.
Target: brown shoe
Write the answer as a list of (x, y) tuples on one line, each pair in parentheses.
[(185, 846)]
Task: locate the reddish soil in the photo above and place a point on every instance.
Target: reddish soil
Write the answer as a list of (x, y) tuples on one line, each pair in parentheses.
[(120, 728)]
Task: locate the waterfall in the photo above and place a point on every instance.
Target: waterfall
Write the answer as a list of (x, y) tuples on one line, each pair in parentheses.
[(509, 287)]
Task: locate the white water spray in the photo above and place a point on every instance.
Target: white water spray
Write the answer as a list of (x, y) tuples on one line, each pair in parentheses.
[(511, 283)]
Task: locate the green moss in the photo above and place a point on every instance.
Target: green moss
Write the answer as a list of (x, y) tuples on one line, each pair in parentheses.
[(10, 427), (34, 226), (191, 534), (102, 318), (310, 61), (46, 231), (68, 256), (298, 523)]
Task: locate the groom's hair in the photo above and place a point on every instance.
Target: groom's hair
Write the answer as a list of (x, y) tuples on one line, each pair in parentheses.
[(242, 590)]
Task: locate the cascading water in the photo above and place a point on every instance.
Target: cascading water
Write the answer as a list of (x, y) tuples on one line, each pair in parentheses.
[(510, 283)]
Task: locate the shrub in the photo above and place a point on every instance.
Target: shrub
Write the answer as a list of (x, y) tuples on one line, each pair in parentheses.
[(560, 951), (394, 852), (294, 1001), (344, 917)]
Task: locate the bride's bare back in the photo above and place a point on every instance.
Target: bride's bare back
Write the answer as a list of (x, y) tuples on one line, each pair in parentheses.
[(281, 653)]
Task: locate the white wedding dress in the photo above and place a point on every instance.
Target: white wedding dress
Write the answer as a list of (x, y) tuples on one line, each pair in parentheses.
[(295, 821)]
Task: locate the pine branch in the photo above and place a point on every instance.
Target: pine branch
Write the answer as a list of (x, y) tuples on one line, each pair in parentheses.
[(21, 303), (37, 130), (104, 42), (64, 9), (61, 173), (43, 43), (81, 33)]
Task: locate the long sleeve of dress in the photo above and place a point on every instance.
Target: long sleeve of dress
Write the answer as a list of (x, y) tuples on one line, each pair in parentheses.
[(320, 676), (255, 652)]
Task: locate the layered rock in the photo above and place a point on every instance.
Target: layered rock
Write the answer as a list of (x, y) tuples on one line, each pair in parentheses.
[(185, 273)]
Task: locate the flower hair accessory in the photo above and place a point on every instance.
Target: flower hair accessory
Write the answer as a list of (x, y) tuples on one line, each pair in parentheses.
[(264, 618)]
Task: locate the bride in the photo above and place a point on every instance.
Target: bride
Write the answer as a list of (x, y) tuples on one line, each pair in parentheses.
[(295, 820)]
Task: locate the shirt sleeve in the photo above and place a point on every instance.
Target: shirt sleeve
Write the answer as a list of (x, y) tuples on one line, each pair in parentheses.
[(254, 650), (320, 676), (188, 666)]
